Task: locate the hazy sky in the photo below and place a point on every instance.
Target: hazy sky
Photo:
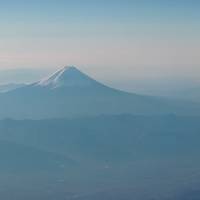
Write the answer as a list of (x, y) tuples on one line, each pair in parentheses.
[(122, 39)]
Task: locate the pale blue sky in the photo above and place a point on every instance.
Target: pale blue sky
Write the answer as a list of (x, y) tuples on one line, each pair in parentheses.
[(130, 38)]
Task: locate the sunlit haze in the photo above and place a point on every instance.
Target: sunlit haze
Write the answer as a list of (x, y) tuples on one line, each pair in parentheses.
[(139, 37)]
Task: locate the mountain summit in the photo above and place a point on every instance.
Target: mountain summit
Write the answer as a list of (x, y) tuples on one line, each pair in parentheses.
[(68, 76)]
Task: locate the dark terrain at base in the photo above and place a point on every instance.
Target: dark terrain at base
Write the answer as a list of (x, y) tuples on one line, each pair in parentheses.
[(116, 157)]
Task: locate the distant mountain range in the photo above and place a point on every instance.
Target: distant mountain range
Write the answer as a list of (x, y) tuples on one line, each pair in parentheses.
[(106, 157), (71, 93), (112, 139)]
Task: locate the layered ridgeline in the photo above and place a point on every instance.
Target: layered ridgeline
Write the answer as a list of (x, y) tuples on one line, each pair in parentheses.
[(71, 93), (121, 157)]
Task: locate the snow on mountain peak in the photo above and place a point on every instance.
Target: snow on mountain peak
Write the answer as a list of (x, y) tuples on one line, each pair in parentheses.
[(68, 76)]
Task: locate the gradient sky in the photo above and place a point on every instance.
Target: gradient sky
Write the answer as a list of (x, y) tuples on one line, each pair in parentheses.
[(118, 39)]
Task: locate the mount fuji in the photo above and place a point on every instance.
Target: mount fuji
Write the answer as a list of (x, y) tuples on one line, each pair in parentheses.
[(67, 77), (71, 93)]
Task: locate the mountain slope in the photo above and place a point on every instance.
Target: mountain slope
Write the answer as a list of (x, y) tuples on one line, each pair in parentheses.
[(11, 86), (71, 93), (67, 77)]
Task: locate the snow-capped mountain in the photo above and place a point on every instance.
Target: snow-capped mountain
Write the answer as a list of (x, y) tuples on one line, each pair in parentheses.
[(71, 93), (68, 76)]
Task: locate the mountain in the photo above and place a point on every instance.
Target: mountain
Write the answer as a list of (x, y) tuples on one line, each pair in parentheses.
[(67, 77), (71, 93), (121, 157), (114, 138)]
